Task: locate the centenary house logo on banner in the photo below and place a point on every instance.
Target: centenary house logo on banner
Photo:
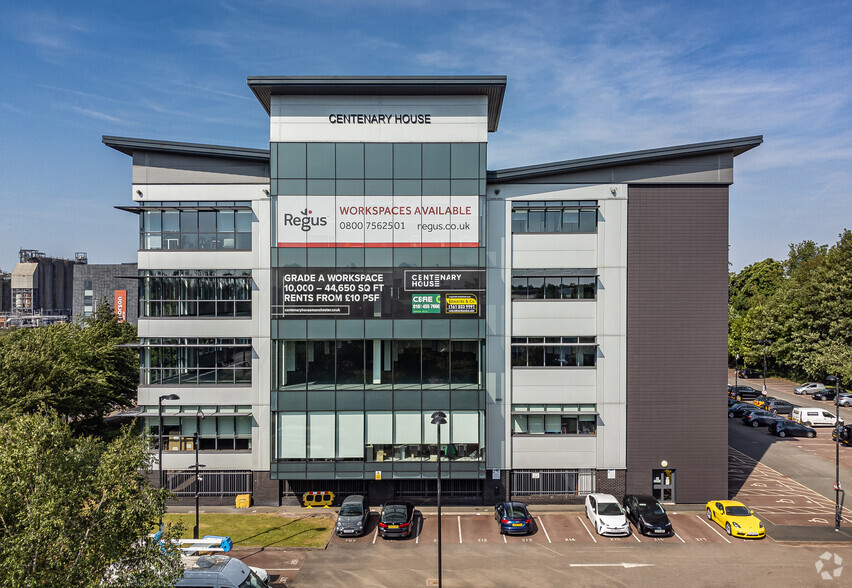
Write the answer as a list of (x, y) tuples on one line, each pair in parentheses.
[(378, 221)]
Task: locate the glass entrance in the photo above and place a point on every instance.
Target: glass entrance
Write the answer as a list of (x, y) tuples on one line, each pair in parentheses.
[(664, 485)]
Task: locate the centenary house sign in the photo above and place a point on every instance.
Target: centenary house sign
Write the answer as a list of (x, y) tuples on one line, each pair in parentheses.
[(372, 119)]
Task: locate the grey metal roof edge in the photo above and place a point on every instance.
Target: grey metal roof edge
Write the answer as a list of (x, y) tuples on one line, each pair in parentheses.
[(493, 86), (738, 146), (129, 145)]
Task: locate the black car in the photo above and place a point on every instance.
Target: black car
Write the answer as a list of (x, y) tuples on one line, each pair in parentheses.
[(397, 519), (787, 428), (779, 406), (827, 394), (845, 435), (744, 393), (759, 418), (750, 373), (732, 402), (740, 410), (647, 515)]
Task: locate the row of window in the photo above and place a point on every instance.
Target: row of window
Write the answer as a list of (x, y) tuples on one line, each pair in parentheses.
[(196, 229), (554, 288), (377, 160), (383, 257), (379, 435), (554, 424), (563, 352), (199, 362), (554, 219), (221, 293), (215, 433), (377, 364)]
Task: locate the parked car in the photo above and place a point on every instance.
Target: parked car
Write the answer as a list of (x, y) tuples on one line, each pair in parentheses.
[(352, 518), (744, 393), (740, 410), (221, 571), (647, 515), (779, 406), (759, 418), (750, 373), (827, 394), (844, 399), (845, 435), (513, 518), (735, 518), (813, 417), (809, 388), (397, 519), (761, 401), (787, 428), (606, 515), (732, 402)]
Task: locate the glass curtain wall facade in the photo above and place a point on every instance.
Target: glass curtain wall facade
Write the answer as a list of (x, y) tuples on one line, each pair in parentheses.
[(359, 365)]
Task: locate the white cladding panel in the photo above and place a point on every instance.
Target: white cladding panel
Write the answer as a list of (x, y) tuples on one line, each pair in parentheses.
[(199, 192), (554, 386), (313, 119), (556, 250), (533, 318), (553, 451)]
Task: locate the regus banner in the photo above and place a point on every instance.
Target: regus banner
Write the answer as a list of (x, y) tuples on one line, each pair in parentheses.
[(378, 221)]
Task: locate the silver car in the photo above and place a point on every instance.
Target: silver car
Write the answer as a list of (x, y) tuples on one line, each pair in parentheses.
[(352, 518), (844, 399), (809, 388)]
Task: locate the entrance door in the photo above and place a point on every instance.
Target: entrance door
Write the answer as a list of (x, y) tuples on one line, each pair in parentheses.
[(664, 485)]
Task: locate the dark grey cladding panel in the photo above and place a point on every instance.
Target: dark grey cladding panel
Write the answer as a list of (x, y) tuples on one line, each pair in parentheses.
[(677, 317)]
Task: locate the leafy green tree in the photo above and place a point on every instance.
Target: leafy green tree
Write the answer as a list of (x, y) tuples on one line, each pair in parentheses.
[(77, 370), (76, 511), (754, 284)]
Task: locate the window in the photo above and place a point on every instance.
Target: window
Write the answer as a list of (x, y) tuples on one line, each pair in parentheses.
[(563, 352), (554, 419), (555, 216), (88, 296), (195, 293), (188, 362), (554, 284), (195, 226), (218, 431)]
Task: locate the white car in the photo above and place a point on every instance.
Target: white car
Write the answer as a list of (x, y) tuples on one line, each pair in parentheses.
[(844, 399), (809, 388), (606, 514)]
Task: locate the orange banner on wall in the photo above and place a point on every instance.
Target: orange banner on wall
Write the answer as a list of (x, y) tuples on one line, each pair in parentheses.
[(121, 305)]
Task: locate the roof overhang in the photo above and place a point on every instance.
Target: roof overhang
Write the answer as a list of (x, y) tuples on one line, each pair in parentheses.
[(128, 146), (735, 146), (494, 87)]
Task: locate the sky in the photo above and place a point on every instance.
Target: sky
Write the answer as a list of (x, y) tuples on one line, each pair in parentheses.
[(585, 78)]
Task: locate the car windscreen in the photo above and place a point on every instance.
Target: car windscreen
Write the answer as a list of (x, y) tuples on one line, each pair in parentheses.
[(515, 512), (610, 509), (351, 510), (394, 514), (736, 511), (252, 581), (651, 508)]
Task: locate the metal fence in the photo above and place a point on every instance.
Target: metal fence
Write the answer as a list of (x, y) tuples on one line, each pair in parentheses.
[(212, 483), (565, 482), (429, 488)]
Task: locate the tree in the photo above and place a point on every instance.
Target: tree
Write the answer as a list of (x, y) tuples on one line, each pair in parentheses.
[(76, 370), (76, 511)]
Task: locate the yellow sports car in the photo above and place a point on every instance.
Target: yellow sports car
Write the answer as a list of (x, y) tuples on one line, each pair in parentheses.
[(736, 519)]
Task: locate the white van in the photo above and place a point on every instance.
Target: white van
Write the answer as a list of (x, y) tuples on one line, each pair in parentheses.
[(813, 417)]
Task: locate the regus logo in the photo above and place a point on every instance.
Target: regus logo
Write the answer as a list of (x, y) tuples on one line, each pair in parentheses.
[(306, 221)]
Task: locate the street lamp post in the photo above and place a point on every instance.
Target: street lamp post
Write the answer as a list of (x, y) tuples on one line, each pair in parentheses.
[(736, 369), (439, 418), (199, 416), (764, 342), (837, 430), (160, 441)]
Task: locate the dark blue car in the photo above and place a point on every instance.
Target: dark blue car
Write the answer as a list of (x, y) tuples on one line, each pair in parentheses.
[(513, 518)]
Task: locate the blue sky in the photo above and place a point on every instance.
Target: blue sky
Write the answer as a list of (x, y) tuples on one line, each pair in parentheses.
[(585, 78)]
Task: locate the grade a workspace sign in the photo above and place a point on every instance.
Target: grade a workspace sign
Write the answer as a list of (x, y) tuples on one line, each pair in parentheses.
[(378, 221)]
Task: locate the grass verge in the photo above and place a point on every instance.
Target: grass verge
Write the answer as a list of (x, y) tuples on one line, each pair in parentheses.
[(259, 530)]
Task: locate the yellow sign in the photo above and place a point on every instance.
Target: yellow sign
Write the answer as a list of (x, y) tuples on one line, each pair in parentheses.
[(378, 474), (461, 303)]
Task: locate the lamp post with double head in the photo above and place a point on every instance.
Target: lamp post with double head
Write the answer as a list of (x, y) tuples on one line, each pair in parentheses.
[(764, 342), (439, 418), (199, 416), (838, 429), (160, 441)]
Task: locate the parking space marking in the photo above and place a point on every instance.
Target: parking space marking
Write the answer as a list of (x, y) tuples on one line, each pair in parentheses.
[(504, 537), (460, 537), (679, 537), (375, 535), (419, 528), (587, 529), (543, 529), (636, 536), (700, 518)]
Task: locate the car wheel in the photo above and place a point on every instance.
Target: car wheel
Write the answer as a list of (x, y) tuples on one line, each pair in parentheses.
[(782, 434), (755, 424), (731, 415), (641, 529), (709, 515), (810, 434), (807, 424), (728, 528)]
